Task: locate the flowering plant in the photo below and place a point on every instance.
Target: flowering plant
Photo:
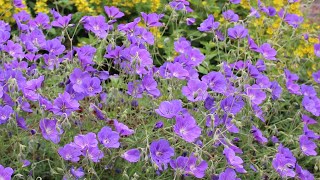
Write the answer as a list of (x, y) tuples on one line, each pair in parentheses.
[(221, 102)]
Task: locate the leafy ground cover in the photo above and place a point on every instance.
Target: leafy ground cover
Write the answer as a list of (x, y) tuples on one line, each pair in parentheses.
[(214, 90)]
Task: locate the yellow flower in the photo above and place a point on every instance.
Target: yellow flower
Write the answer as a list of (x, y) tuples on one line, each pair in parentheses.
[(313, 40), (155, 5), (245, 4)]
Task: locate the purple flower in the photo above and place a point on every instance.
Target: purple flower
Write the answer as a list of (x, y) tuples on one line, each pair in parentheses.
[(182, 45), (284, 162), (109, 138), (62, 21), (234, 160), (228, 174), (77, 173), (86, 141), (255, 94), (274, 139), (54, 47), (235, 1), (122, 129), (197, 170), (97, 25), (5, 173), (216, 81), (132, 155), (152, 20), (268, 52), (303, 174), (309, 133), (308, 90), (293, 87), (186, 127), (76, 78), (49, 130), (257, 134), (307, 146), (316, 76), (91, 86), (276, 90), (14, 49), (113, 12), (237, 32), (317, 50), (312, 105), (169, 109), (135, 89), (232, 104), (18, 4), (293, 20), (190, 21), (70, 153), (253, 46), (176, 70), (308, 120), (229, 15), (94, 154), (5, 113), (158, 125), (150, 85), (85, 55), (209, 25), (42, 21), (270, 11), (64, 104), (161, 153), (290, 76), (195, 90), (180, 5)]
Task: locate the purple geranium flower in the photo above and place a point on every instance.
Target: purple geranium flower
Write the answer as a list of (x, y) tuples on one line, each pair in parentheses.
[(228, 174), (317, 49), (195, 90), (232, 104), (77, 173), (64, 104), (62, 21), (216, 81), (76, 78), (5, 113), (238, 32), (132, 155), (70, 152), (316, 76), (234, 160), (307, 146), (14, 49), (152, 20), (257, 134), (97, 25), (180, 5), (122, 129), (161, 153), (83, 142), (169, 109), (276, 90), (209, 25), (91, 86), (186, 127), (49, 130), (235, 1), (94, 154), (113, 12), (293, 20), (54, 47), (256, 94), (150, 85), (229, 15), (268, 52), (190, 21), (303, 174), (5, 173), (85, 55), (109, 138), (284, 162), (307, 120)]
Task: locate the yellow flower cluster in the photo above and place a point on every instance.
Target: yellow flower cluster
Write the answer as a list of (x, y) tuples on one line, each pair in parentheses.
[(245, 4), (155, 5), (294, 8), (273, 28), (83, 6), (306, 48), (278, 4), (7, 10), (157, 34), (41, 6)]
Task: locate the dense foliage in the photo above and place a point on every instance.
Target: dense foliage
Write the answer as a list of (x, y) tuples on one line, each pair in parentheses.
[(216, 90)]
